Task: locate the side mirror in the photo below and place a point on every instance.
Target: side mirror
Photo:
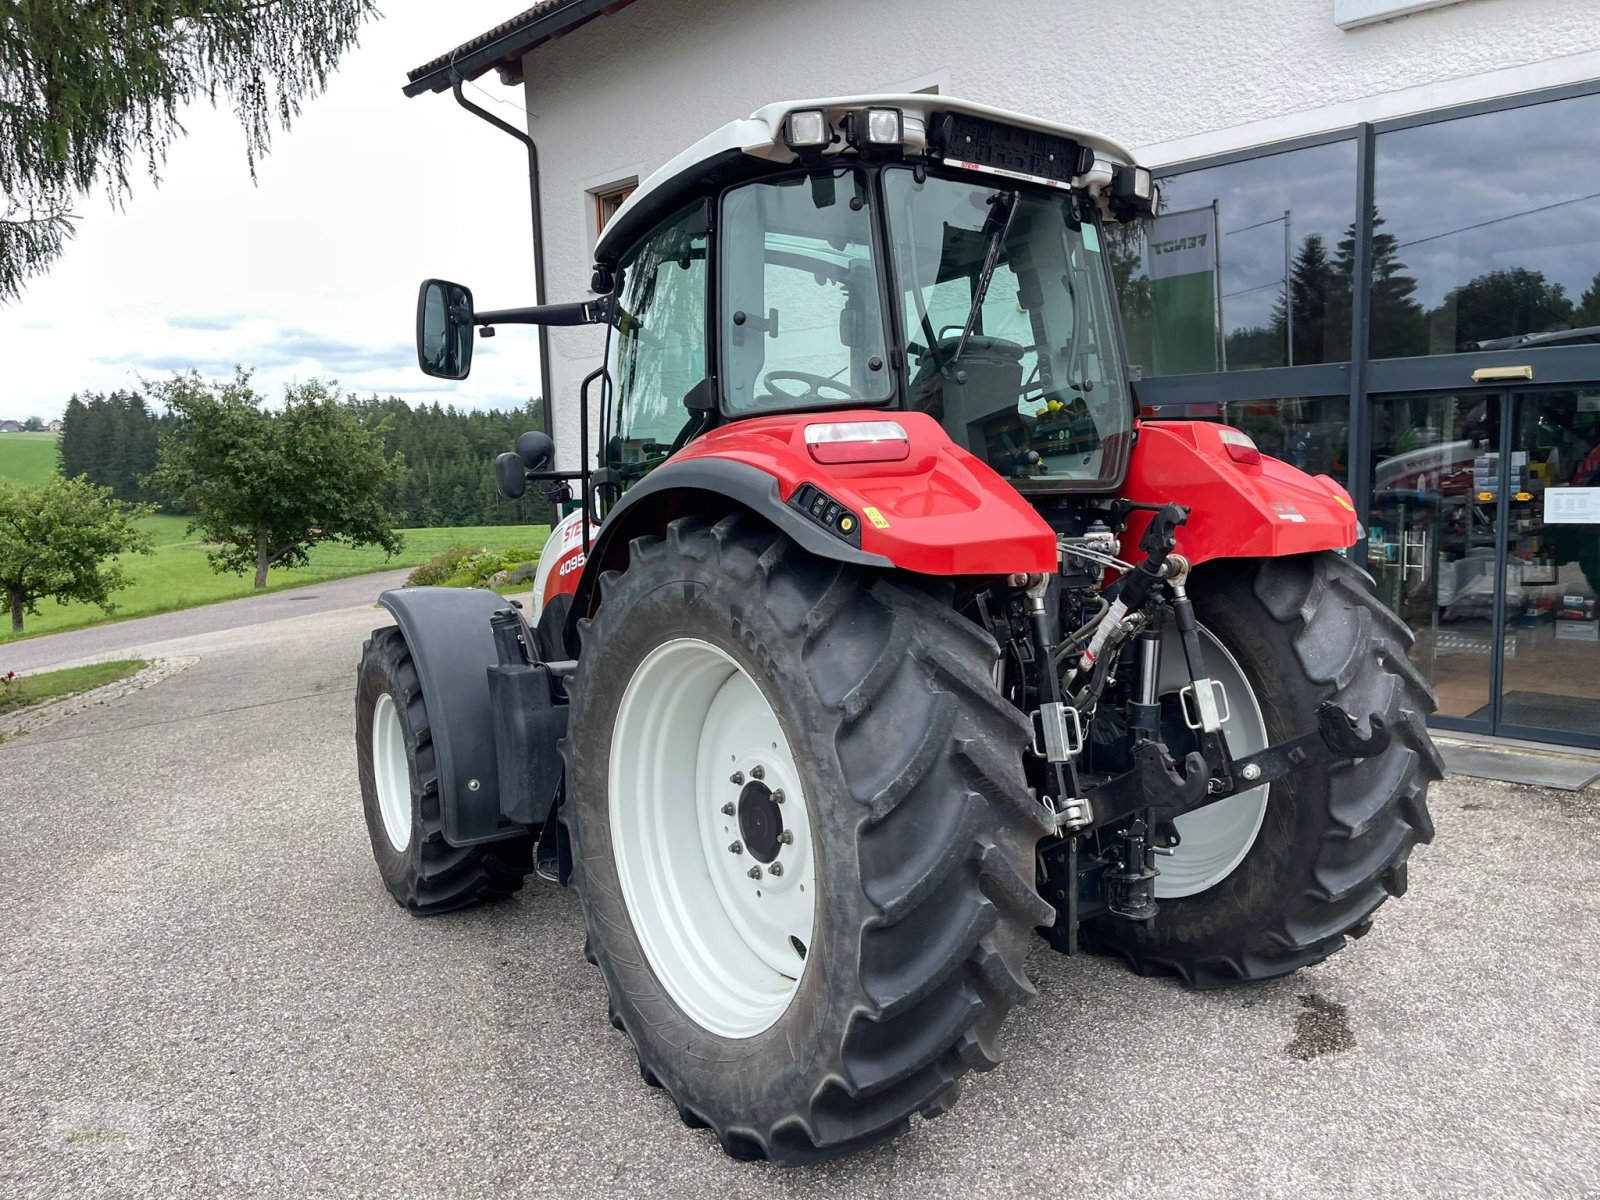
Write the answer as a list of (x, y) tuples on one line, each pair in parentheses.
[(510, 476), (536, 450), (444, 329)]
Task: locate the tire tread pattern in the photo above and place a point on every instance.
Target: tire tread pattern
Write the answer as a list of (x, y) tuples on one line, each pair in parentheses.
[(945, 837), (1352, 647), (440, 878)]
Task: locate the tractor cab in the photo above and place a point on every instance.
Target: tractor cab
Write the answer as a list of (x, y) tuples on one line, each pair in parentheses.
[(903, 253)]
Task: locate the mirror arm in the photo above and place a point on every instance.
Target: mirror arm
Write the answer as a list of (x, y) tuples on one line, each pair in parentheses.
[(588, 312)]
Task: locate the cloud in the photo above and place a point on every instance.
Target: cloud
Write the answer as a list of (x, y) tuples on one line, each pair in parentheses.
[(208, 323), (311, 353), (209, 366)]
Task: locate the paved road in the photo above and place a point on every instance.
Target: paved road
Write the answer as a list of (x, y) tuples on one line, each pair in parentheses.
[(122, 637), (200, 964)]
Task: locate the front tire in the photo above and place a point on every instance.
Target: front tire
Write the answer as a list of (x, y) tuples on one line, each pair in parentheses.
[(1332, 845), (875, 702), (400, 794)]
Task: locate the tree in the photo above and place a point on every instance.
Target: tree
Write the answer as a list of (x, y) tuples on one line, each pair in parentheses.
[(1395, 317), (1313, 282), (58, 541), (111, 439), (1503, 303), (94, 90), (33, 424), (264, 487), (1588, 314)]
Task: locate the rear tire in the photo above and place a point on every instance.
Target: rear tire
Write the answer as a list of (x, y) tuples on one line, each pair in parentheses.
[(1333, 845), (400, 795), (918, 827)]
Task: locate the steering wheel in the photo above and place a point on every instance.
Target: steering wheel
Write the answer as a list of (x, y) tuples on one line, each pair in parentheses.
[(815, 385)]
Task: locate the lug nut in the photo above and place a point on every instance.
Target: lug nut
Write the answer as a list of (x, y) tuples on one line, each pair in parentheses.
[(736, 777), (755, 872), (786, 837), (775, 869), (777, 796), (1251, 772), (758, 772), (736, 848), (728, 810)]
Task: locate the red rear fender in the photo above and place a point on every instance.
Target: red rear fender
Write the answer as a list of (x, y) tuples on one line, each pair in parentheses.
[(1266, 509), (937, 511)]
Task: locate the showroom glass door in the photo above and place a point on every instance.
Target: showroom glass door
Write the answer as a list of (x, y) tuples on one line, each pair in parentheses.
[(1550, 669), (1484, 535)]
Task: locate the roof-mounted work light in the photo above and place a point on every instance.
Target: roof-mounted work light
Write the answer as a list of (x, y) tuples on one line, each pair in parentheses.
[(875, 131), (807, 129), (1134, 193)]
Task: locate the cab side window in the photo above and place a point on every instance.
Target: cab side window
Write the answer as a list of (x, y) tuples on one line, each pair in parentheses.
[(658, 347)]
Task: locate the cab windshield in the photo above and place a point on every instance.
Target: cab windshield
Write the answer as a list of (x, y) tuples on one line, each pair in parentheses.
[(1010, 340)]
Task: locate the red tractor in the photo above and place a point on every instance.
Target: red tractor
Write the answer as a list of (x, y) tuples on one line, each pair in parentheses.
[(884, 635)]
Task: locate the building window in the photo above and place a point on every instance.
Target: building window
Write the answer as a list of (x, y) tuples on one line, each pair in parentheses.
[(1487, 231), (608, 200), (1248, 265)]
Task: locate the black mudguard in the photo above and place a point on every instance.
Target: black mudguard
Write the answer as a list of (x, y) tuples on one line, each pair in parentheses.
[(452, 642)]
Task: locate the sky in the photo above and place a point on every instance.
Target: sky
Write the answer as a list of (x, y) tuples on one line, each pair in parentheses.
[(312, 272)]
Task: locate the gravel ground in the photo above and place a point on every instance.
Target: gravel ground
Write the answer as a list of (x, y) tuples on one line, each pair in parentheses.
[(205, 990)]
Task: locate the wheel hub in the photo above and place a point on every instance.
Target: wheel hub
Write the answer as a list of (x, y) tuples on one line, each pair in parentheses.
[(712, 837), (760, 822)]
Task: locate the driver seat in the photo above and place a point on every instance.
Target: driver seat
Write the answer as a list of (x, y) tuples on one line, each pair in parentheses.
[(993, 368)]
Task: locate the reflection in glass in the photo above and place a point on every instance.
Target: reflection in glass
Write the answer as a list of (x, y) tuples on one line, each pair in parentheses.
[(1490, 231), (1431, 536), (1308, 432), (1248, 265)]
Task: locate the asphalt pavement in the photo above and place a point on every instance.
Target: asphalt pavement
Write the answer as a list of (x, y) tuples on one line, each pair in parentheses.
[(205, 991), (117, 638)]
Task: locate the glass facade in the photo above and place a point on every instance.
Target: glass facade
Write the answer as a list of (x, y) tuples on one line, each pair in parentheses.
[(1248, 265), (1309, 432), (1487, 231), (1456, 393)]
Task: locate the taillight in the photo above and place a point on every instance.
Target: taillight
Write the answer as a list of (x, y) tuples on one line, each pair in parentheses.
[(858, 442), (1241, 448)]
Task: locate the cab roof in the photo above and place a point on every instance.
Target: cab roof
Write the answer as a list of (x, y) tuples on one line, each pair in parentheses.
[(748, 147)]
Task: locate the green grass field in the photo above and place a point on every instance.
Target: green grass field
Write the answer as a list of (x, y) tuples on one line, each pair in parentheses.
[(53, 685), (27, 457), (178, 576)]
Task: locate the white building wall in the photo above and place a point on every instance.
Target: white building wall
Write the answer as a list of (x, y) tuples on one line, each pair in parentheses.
[(619, 96)]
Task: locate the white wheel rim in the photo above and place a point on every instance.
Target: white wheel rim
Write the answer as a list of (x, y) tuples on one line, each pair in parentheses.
[(728, 948), (1215, 839), (391, 774)]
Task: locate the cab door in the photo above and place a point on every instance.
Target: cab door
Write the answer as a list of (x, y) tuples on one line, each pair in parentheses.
[(658, 353)]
